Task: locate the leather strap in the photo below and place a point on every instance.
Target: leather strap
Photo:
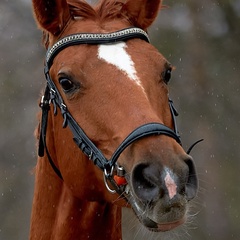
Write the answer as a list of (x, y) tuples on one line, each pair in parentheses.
[(45, 105), (141, 132), (94, 38)]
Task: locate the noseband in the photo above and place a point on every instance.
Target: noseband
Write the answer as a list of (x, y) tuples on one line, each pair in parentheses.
[(53, 96)]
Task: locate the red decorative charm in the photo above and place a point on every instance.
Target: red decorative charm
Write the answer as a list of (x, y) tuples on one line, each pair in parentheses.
[(120, 180)]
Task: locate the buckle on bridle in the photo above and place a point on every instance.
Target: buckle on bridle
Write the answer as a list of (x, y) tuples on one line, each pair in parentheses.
[(44, 103)]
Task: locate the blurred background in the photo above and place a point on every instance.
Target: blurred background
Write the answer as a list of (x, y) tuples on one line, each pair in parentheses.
[(200, 38)]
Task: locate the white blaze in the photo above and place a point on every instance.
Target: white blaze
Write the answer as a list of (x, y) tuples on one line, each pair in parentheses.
[(117, 55)]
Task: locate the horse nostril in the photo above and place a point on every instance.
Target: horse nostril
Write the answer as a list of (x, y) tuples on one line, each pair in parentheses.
[(145, 182), (192, 181), (151, 182)]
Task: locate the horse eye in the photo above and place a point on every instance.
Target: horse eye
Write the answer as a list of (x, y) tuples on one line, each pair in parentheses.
[(67, 85), (167, 75)]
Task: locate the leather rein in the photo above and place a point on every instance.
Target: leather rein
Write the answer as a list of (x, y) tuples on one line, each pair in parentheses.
[(52, 96)]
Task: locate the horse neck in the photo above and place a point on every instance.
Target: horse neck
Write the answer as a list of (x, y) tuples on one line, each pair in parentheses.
[(57, 214), (80, 219)]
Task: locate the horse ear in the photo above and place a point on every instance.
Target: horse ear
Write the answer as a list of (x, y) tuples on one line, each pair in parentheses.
[(142, 13), (51, 15)]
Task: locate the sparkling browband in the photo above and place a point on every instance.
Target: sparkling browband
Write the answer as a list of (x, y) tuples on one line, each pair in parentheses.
[(94, 38)]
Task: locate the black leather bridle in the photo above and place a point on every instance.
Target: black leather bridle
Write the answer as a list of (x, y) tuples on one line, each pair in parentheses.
[(52, 96)]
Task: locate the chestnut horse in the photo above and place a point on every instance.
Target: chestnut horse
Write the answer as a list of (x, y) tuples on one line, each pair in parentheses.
[(107, 88)]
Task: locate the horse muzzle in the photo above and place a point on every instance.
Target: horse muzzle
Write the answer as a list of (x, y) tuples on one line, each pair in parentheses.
[(159, 194)]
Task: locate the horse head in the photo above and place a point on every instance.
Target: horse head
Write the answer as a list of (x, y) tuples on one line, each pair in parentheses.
[(117, 93)]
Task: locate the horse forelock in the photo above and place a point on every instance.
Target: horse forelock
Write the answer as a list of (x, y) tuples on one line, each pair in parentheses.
[(104, 10)]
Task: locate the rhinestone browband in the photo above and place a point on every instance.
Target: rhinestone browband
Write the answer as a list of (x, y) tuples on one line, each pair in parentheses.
[(94, 38)]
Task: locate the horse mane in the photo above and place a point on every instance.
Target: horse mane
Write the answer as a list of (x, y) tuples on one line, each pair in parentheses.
[(105, 9)]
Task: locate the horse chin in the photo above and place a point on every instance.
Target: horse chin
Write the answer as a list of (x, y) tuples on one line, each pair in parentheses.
[(145, 213), (162, 227)]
